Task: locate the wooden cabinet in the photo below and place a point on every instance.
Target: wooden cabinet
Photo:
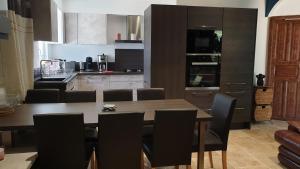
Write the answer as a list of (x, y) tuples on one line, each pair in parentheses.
[(85, 28), (44, 14), (104, 82), (201, 98), (165, 48), (71, 29), (237, 66), (205, 17)]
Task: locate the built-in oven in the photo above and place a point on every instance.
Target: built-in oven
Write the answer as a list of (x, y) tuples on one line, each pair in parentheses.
[(204, 41), (203, 70)]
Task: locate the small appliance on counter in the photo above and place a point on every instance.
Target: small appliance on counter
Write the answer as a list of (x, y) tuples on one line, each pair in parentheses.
[(102, 62), (89, 64)]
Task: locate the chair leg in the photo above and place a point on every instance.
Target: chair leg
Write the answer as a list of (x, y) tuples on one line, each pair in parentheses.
[(188, 166), (210, 159), (142, 160), (93, 161), (224, 159)]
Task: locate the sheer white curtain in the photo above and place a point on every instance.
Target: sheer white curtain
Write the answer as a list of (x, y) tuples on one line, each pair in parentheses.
[(16, 55)]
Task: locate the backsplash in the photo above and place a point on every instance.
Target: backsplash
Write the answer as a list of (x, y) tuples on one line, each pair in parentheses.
[(80, 52), (77, 52)]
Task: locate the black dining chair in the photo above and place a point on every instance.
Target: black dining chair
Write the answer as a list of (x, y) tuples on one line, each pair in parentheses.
[(42, 96), (26, 138), (120, 140), (117, 95), (218, 129), (61, 141), (151, 94), (79, 96), (170, 144)]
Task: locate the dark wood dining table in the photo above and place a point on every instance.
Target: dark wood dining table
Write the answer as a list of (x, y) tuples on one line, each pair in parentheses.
[(22, 118)]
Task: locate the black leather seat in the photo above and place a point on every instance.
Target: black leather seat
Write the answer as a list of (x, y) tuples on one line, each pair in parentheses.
[(91, 134), (79, 96), (120, 140), (170, 144), (151, 94), (42, 96), (218, 129), (117, 95), (61, 141)]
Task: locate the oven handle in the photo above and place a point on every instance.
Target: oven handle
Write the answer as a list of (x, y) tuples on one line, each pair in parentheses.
[(205, 63)]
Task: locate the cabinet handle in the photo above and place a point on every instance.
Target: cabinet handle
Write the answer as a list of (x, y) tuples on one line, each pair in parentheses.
[(240, 108), (241, 83), (202, 94), (239, 92)]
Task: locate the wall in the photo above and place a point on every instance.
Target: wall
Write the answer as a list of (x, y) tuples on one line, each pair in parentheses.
[(286, 7), (80, 52), (123, 7), (3, 4)]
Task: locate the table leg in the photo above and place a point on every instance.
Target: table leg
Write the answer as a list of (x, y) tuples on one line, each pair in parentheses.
[(202, 132)]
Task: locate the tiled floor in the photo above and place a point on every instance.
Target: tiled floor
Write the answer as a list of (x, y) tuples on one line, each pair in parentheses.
[(248, 149)]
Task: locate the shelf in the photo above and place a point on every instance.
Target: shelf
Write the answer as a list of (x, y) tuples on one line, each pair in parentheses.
[(128, 41)]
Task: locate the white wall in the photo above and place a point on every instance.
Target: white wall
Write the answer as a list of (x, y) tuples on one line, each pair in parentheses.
[(122, 7), (3, 4), (286, 7)]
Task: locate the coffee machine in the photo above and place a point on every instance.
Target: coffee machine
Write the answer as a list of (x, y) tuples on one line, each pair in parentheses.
[(102, 62), (89, 64)]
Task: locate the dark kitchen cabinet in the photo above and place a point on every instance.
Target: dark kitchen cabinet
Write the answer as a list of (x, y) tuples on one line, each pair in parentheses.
[(45, 20), (201, 98), (165, 48), (237, 67), (205, 17)]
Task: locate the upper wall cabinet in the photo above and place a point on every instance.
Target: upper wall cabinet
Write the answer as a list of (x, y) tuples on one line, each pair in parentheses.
[(116, 24), (47, 21), (205, 17), (85, 28)]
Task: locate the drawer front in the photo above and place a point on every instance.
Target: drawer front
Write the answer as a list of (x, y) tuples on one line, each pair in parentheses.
[(126, 85), (200, 98), (241, 115), (120, 78)]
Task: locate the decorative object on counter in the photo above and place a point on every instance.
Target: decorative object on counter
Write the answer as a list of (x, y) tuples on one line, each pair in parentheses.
[(263, 103), (1, 154), (119, 36), (260, 79)]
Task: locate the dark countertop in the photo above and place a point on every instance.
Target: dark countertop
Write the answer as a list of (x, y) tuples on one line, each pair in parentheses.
[(109, 73), (71, 77)]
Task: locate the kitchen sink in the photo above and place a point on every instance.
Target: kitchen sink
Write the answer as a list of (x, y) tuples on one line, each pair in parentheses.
[(51, 79)]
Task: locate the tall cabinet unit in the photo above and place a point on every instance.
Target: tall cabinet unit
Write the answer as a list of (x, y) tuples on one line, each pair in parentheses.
[(165, 55), (165, 48), (238, 51)]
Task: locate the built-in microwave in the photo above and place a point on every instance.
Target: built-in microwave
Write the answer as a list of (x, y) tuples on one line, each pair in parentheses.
[(204, 41)]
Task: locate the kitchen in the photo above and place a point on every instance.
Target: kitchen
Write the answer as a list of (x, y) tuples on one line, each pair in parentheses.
[(189, 51)]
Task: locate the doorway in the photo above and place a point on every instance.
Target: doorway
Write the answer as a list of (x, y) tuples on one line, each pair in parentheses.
[(283, 66)]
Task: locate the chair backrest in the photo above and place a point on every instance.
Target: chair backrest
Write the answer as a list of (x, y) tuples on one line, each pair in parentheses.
[(173, 137), (79, 96), (42, 96), (120, 140), (151, 94), (60, 141), (222, 112), (117, 95)]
